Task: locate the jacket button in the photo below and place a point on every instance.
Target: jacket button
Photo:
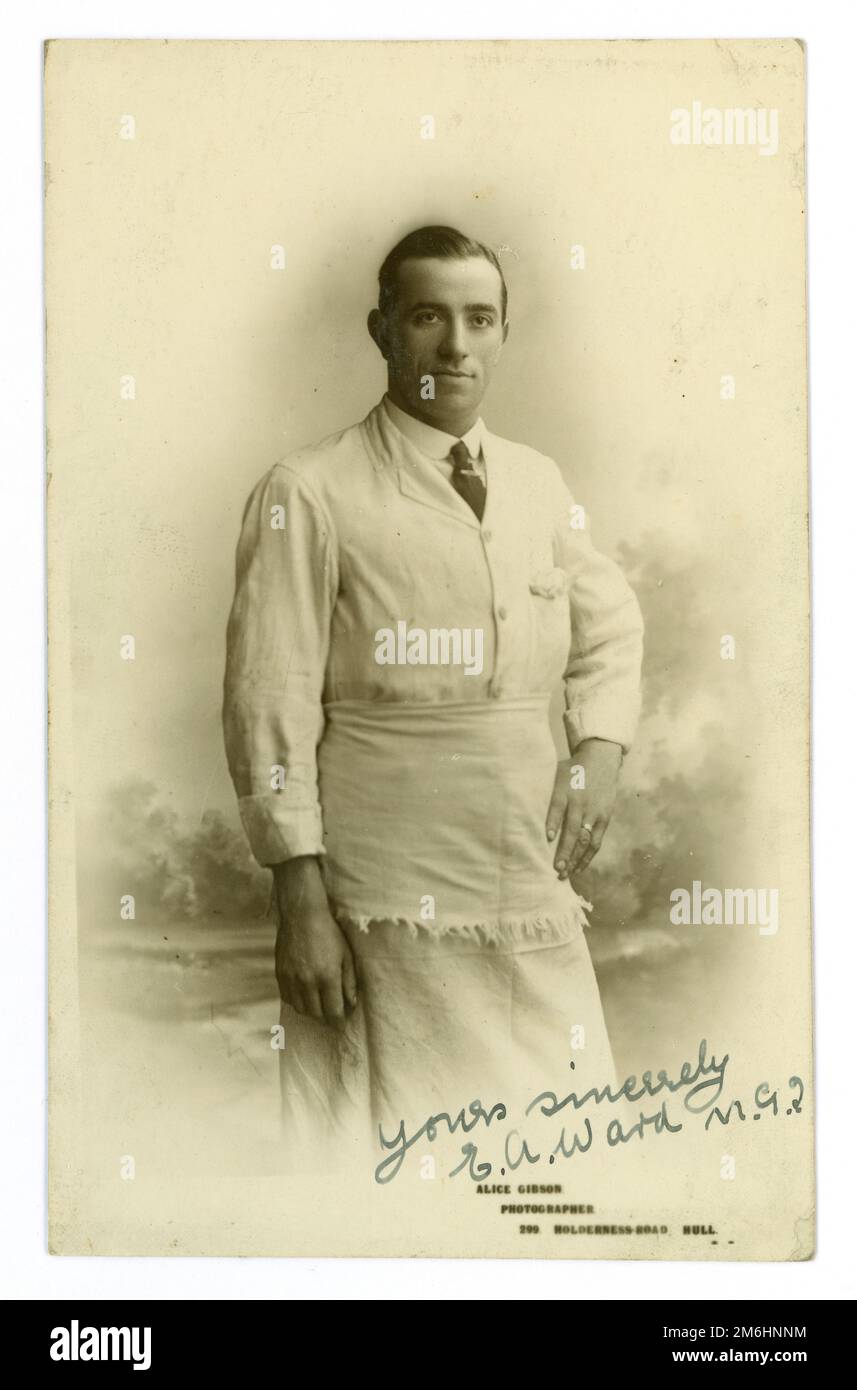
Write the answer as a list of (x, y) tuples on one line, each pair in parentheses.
[(501, 613), (487, 535)]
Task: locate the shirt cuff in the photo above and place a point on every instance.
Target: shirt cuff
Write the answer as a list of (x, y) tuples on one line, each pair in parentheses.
[(606, 719), (276, 831)]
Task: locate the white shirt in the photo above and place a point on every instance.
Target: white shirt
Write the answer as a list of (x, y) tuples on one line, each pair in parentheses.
[(436, 444)]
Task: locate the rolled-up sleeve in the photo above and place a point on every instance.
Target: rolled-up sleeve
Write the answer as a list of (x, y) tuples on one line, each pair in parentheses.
[(602, 676), (277, 645)]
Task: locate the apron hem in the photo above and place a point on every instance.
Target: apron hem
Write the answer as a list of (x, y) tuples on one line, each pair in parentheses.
[(506, 930)]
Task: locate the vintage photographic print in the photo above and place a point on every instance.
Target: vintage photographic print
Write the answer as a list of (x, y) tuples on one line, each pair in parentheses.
[(428, 649)]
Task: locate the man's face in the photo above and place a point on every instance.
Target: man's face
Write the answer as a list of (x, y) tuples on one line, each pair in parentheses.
[(446, 324)]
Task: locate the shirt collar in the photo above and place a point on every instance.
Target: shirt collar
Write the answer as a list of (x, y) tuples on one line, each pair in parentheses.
[(434, 443)]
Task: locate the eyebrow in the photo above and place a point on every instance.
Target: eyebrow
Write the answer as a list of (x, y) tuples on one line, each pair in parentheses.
[(469, 308)]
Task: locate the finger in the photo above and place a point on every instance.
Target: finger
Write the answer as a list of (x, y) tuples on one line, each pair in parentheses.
[(292, 993), (349, 979), (582, 842), (584, 861), (286, 984), (556, 810), (332, 1001), (589, 851), (567, 840), (312, 1002)]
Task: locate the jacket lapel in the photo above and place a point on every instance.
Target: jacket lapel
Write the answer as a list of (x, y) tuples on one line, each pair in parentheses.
[(417, 478), (422, 482)]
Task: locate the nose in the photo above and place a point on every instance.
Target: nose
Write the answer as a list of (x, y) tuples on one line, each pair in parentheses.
[(454, 346)]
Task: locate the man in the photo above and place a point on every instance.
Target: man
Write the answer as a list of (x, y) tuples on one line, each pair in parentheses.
[(409, 593)]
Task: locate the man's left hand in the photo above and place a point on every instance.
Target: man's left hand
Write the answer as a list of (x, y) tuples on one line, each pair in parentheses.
[(579, 815)]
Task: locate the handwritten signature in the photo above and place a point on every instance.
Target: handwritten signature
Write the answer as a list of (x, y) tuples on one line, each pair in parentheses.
[(701, 1082)]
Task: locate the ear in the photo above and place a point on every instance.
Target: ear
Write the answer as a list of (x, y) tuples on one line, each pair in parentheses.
[(378, 332)]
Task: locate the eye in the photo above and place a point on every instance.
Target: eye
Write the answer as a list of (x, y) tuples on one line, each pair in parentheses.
[(482, 320), (425, 316)]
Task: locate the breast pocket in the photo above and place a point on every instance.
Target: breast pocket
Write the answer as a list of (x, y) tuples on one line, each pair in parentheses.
[(550, 628), (549, 582)]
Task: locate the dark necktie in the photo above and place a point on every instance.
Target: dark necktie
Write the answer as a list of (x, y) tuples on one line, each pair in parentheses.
[(466, 481)]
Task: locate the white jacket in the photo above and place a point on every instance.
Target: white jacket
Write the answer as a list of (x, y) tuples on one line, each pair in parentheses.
[(361, 532)]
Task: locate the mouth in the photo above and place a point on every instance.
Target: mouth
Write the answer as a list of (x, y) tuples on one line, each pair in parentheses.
[(466, 376)]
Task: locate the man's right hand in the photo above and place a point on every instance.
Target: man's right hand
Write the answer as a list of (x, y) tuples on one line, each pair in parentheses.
[(314, 961)]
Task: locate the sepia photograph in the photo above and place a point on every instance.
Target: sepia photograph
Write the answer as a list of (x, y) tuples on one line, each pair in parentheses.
[(428, 618)]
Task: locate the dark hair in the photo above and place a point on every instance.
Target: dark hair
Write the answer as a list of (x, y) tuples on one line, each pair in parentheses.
[(445, 243)]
